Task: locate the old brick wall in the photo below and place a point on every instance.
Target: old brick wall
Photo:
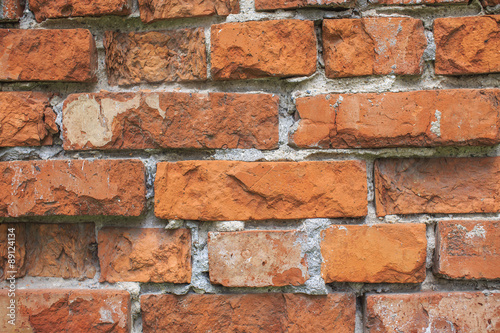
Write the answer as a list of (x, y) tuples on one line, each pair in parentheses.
[(250, 166)]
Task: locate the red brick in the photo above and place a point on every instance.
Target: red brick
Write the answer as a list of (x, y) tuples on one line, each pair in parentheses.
[(44, 9), (11, 10), (374, 253), (437, 185), (434, 312), (292, 313), (67, 310), (467, 45), (230, 190), (468, 249), (285, 4), (257, 258), (12, 266), (155, 10), (373, 46), (72, 187), (248, 50), (170, 120), (155, 56), (404, 119), (417, 2), (145, 255), (26, 119), (47, 55), (491, 3)]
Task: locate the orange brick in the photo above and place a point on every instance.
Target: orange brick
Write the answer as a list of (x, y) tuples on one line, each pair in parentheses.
[(44, 9), (285, 4)]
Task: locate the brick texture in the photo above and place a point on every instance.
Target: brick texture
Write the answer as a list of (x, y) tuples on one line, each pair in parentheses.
[(434, 312), (248, 313), (44, 9), (155, 10), (285, 4), (145, 255), (280, 48), (227, 190), (155, 56), (405, 119), (417, 2), (437, 185), (468, 249), (70, 310), (467, 45), (47, 55), (257, 258), (373, 46), (374, 254), (26, 119), (72, 187), (11, 10), (170, 120)]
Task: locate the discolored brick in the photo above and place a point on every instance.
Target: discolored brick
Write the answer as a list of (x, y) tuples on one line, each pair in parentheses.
[(285, 4), (11, 10), (49, 9)]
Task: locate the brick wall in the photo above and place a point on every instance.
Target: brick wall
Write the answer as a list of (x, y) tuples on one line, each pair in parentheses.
[(250, 166)]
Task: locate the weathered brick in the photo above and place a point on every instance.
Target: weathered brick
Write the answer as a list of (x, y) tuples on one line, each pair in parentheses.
[(417, 2), (257, 258), (230, 190), (292, 313), (491, 3), (468, 249), (280, 48), (403, 119), (72, 187), (467, 45), (145, 255), (434, 312), (26, 119), (67, 310), (285, 4), (373, 46), (47, 55), (47, 9), (155, 56), (374, 253), (170, 120), (155, 10), (437, 185), (12, 246), (11, 10)]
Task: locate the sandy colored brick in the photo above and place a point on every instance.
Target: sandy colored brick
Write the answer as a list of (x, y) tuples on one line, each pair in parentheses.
[(373, 46), (11, 10), (467, 45), (258, 49), (170, 120), (285, 4), (257, 258), (468, 249), (145, 255), (155, 56), (67, 310), (380, 253), (47, 55), (231, 190), (72, 187), (49, 9), (26, 119), (252, 313), (434, 312), (455, 117), (156, 10), (437, 185)]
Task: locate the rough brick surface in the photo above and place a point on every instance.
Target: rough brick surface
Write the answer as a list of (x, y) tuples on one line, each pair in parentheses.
[(11, 10), (491, 3), (155, 56), (145, 255), (257, 258), (229, 190), (44, 9), (155, 10), (468, 249), (285, 4), (47, 55), (374, 254), (405, 119), (434, 312), (417, 2), (70, 310), (248, 313), (467, 45), (373, 46), (12, 246), (72, 187), (437, 185), (248, 50), (26, 119), (170, 120)]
